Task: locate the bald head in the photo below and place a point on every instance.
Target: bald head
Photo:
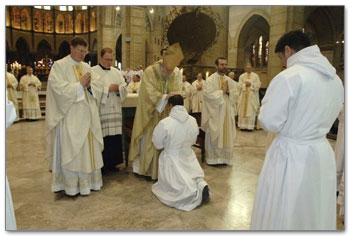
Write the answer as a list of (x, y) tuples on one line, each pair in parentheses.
[(248, 68), (231, 75)]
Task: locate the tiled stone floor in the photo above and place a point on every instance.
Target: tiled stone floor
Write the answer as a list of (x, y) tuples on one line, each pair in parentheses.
[(126, 202)]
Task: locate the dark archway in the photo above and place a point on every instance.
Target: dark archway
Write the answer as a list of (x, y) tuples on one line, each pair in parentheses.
[(94, 53), (63, 50), (255, 27), (22, 54), (118, 50), (44, 50), (195, 31)]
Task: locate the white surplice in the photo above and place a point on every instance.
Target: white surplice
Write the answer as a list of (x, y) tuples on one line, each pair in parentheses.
[(180, 177), (218, 120), (339, 147), (73, 131), (297, 184), (197, 95), (110, 107), (186, 92), (30, 96), (248, 104)]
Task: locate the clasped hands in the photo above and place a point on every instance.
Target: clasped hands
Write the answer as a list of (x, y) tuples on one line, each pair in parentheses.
[(85, 80), (225, 87)]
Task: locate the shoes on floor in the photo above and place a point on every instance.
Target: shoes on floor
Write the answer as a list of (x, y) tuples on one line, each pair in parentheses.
[(205, 194)]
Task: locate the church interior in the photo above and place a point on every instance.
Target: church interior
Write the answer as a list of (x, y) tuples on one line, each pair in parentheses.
[(37, 36)]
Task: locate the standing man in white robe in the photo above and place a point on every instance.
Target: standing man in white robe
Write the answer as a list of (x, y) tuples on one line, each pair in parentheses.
[(134, 85), (11, 85), (218, 116), (30, 84), (186, 92), (297, 184), (197, 93), (248, 104), (181, 181), (110, 108), (73, 129)]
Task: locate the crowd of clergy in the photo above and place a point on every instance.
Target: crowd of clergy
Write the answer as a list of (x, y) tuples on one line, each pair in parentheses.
[(296, 188)]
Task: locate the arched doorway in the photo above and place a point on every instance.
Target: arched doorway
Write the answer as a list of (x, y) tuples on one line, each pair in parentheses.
[(44, 50), (253, 43), (63, 50), (22, 54)]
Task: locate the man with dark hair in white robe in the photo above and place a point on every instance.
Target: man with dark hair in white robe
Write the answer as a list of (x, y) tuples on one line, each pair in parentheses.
[(297, 184), (181, 181)]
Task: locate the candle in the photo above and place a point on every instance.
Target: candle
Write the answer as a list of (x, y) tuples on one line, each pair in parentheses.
[(182, 70), (206, 75), (89, 63)]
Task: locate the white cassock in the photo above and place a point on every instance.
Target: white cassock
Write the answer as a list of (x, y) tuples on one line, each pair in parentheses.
[(10, 213), (30, 96), (218, 120), (134, 87), (339, 147), (297, 184), (248, 104), (186, 92), (73, 131), (12, 91), (180, 177), (197, 95)]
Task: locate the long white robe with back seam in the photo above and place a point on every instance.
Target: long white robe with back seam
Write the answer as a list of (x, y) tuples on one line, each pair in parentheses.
[(297, 184), (10, 217), (69, 117), (180, 177)]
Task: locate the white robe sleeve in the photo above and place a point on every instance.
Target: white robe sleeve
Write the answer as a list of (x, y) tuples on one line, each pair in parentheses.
[(123, 91), (276, 104), (162, 103), (159, 135), (255, 84), (80, 93)]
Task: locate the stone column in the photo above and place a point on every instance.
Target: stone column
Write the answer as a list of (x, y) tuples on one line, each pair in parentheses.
[(134, 41), (107, 32), (283, 19)]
